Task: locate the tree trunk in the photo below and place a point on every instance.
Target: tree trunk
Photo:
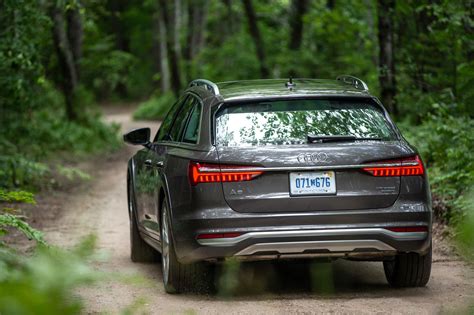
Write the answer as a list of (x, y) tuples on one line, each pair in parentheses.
[(173, 55), (160, 57), (229, 25), (75, 35), (297, 11), (386, 10), (257, 39), (66, 60), (469, 28), (117, 9), (372, 29), (201, 20), (197, 15), (176, 20), (331, 4)]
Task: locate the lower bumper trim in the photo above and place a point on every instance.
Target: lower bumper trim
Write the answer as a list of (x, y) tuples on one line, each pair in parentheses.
[(399, 236), (301, 247)]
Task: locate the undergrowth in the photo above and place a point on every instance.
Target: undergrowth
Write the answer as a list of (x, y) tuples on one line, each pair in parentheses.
[(445, 141), (155, 108)]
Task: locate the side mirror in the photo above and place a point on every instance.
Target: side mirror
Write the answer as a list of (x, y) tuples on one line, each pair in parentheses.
[(139, 136)]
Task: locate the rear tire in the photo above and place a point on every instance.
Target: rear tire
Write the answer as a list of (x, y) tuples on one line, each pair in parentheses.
[(179, 277), (409, 269), (140, 251)]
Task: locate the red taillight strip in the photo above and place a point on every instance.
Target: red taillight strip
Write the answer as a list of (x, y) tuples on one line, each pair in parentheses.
[(402, 229), (412, 166), (212, 173), (218, 235)]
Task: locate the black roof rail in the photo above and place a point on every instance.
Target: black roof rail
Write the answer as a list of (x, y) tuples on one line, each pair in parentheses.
[(355, 82), (208, 85)]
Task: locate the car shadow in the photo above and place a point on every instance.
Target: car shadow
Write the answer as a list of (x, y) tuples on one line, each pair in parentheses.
[(300, 279)]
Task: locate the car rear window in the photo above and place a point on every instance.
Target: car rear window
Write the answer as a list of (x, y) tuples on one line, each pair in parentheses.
[(288, 122)]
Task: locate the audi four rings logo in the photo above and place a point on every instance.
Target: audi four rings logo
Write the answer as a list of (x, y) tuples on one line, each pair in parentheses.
[(314, 158)]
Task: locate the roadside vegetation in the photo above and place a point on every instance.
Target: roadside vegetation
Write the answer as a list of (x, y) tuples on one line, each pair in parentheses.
[(59, 59), (46, 116)]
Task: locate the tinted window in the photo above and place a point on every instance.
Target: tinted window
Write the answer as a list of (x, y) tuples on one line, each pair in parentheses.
[(167, 122), (291, 121), (192, 129), (181, 119)]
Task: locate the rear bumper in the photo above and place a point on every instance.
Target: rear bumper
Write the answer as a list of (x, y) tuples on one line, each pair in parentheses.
[(327, 242), (350, 234)]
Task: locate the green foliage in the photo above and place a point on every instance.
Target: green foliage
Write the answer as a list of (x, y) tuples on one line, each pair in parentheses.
[(10, 220), (18, 171), (465, 229), (33, 124), (104, 69), (322, 277), (13, 221), (45, 283), (47, 135), (156, 107), (433, 55), (17, 196), (22, 25), (445, 140), (72, 173), (229, 280)]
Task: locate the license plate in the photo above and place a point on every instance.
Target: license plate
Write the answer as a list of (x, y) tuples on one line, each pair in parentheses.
[(312, 183)]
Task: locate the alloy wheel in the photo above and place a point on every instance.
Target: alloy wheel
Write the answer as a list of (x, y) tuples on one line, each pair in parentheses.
[(165, 241)]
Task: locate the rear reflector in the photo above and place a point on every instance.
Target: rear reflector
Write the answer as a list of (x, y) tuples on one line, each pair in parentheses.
[(212, 173), (411, 166), (402, 229), (218, 235)]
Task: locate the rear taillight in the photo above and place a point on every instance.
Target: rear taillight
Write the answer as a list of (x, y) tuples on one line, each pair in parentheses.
[(411, 166), (212, 173)]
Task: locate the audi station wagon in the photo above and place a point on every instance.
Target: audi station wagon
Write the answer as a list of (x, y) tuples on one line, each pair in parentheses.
[(278, 169)]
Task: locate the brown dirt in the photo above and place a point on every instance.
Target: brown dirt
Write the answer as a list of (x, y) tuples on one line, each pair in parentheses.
[(99, 206)]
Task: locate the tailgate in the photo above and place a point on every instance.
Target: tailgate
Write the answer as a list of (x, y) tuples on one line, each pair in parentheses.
[(353, 188)]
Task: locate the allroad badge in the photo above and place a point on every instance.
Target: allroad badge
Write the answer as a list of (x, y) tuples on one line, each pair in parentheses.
[(312, 158)]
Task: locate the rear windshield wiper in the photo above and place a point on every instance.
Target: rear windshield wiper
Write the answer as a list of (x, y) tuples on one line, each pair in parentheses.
[(341, 138)]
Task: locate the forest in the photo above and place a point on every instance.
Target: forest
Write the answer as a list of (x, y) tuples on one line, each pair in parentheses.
[(61, 60)]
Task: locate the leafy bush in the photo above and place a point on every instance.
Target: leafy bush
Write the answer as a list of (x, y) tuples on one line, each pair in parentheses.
[(465, 229), (26, 144), (445, 140), (105, 69), (156, 107), (45, 282), (10, 219), (33, 124)]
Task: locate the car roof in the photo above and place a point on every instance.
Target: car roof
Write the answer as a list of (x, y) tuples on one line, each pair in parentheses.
[(247, 90), (276, 88)]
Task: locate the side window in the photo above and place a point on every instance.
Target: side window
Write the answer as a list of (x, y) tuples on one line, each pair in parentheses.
[(181, 119), (192, 129), (166, 124)]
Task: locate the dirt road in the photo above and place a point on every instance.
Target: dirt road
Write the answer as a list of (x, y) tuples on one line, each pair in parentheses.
[(100, 207)]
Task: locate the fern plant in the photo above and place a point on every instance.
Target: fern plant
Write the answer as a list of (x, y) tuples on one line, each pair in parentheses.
[(10, 217)]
